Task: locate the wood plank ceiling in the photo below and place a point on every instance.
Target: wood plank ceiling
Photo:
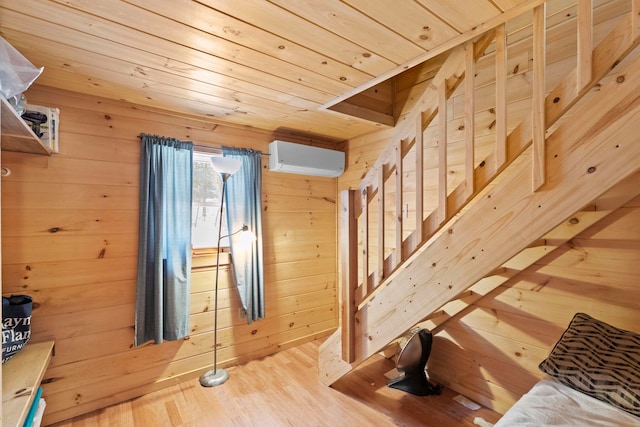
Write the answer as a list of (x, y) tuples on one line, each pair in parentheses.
[(266, 64)]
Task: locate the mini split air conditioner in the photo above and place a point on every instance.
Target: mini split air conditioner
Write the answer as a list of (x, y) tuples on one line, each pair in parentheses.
[(304, 159)]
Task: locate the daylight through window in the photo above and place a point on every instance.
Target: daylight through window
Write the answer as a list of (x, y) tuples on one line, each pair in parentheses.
[(207, 194)]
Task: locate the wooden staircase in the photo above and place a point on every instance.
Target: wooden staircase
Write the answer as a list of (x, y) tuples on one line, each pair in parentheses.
[(546, 180)]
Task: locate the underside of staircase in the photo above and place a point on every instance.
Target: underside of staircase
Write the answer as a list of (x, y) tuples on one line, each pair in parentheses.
[(573, 159)]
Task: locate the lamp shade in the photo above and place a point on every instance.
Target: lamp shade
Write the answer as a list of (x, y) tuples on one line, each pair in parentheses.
[(225, 165), (245, 238)]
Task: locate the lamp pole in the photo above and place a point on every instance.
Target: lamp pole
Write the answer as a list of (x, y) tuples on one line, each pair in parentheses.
[(226, 167)]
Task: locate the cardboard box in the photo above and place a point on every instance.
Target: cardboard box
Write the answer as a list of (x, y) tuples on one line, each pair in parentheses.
[(49, 130)]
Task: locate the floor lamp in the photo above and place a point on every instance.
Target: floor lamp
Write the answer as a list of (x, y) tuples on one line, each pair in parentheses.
[(226, 167)]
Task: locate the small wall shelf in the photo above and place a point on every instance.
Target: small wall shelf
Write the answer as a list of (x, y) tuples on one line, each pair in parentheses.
[(21, 377), (16, 134)]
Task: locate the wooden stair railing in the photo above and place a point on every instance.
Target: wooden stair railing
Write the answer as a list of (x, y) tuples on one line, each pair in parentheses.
[(408, 135), (415, 279)]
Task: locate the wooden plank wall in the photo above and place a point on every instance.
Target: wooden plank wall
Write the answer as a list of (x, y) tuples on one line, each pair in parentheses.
[(69, 239), (491, 352)]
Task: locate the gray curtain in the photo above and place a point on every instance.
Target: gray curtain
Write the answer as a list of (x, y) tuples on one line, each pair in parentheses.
[(164, 240), (244, 207)]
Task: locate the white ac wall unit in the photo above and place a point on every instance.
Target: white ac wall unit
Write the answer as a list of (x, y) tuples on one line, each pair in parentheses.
[(305, 160)]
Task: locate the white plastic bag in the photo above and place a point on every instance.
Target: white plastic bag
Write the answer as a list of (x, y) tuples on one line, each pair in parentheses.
[(16, 72)]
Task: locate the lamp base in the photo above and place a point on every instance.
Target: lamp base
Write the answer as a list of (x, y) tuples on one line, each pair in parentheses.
[(214, 377)]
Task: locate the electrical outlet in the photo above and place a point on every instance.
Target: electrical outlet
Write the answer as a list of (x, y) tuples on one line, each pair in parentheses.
[(405, 211)]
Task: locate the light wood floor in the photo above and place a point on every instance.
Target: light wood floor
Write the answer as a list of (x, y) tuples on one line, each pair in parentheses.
[(283, 390)]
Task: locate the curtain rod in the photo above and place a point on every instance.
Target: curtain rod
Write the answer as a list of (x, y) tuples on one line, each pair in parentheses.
[(219, 149), (211, 148)]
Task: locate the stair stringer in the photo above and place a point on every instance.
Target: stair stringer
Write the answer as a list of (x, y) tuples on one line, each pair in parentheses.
[(583, 160), (606, 204)]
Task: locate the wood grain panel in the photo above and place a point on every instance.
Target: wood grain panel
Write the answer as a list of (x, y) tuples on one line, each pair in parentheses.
[(595, 273), (352, 25), (18, 250), (93, 345), (119, 394), (55, 301), (270, 17), (70, 240), (43, 275), (177, 80), (266, 66), (238, 32), (291, 252), (101, 20), (187, 356), (291, 184), (286, 203), (60, 170), (68, 222), (294, 270), (458, 15), (39, 195), (410, 20), (276, 381), (202, 302), (85, 322)]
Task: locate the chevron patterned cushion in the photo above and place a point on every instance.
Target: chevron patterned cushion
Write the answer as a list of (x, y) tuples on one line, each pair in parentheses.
[(599, 360)]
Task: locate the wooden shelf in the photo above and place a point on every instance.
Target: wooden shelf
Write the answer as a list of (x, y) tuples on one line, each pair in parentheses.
[(21, 377), (16, 134)]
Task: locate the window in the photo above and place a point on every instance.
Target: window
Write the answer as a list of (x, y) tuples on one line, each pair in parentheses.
[(207, 194)]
